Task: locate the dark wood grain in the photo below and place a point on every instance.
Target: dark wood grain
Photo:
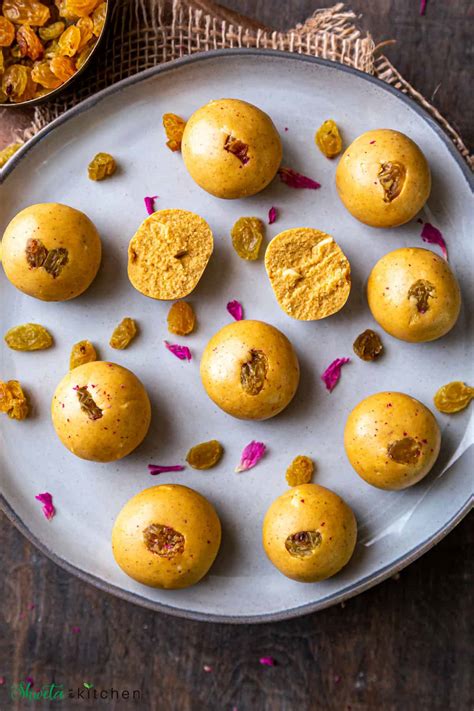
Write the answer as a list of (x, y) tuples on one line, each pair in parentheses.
[(403, 645)]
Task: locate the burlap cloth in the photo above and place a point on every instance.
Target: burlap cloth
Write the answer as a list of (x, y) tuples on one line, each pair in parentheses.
[(144, 33)]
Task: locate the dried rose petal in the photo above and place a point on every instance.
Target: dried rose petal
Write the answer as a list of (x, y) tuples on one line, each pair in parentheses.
[(432, 235), (272, 215), (29, 680), (251, 456), (2, 680), (47, 501), (149, 201), (333, 372), (296, 180), (235, 309), (181, 352), (159, 469), (75, 630), (267, 661), (423, 7)]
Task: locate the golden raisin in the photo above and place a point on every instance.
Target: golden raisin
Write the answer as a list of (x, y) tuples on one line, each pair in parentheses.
[(42, 74), (123, 334), (247, 235), (82, 352), (26, 12), (29, 43), (62, 67), (174, 128), (36, 253), (84, 55), (15, 81), (368, 345), (98, 18), (53, 31), (81, 7), (7, 32), (69, 42), (7, 152), (181, 318), (205, 455), (30, 90), (422, 290), (300, 471), (28, 337), (328, 139), (404, 451), (453, 397), (391, 177), (254, 372), (13, 400), (238, 148), (55, 260), (88, 404), (101, 166), (86, 28), (163, 541), (303, 544)]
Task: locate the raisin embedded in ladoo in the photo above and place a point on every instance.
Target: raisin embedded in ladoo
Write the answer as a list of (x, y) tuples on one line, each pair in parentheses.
[(383, 178), (166, 536), (250, 370), (51, 251), (231, 148)]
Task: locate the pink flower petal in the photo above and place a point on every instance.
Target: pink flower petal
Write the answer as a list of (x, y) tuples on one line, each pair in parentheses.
[(75, 629), (160, 469), (251, 456), (235, 309), (432, 235), (47, 500), (29, 680), (333, 372), (423, 7), (207, 668), (267, 661), (296, 180), (149, 201), (2, 680), (181, 352), (272, 215)]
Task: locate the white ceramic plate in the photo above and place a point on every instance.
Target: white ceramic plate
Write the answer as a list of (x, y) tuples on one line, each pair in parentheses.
[(299, 93)]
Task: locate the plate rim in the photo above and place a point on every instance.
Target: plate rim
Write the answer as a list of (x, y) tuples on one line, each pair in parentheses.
[(366, 582)]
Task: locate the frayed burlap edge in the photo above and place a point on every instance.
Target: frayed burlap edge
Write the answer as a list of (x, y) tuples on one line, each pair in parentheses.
[(144, 33)]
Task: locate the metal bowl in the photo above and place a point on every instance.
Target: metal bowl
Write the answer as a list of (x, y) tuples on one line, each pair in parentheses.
[(55, 92)]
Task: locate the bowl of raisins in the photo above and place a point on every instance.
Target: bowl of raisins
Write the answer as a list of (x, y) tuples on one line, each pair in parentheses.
[(45, 45)]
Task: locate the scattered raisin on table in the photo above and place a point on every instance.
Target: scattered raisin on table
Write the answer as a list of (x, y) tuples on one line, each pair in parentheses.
[(300, 471), (181, 318), (82, 352), (368, 345), (101, 166), (328, 139), (123, 334), (453, 397), (28, 337), (205, 455), (247, 235)]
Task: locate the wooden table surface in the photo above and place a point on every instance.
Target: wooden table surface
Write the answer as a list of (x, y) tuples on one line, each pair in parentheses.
[(402, 645)]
